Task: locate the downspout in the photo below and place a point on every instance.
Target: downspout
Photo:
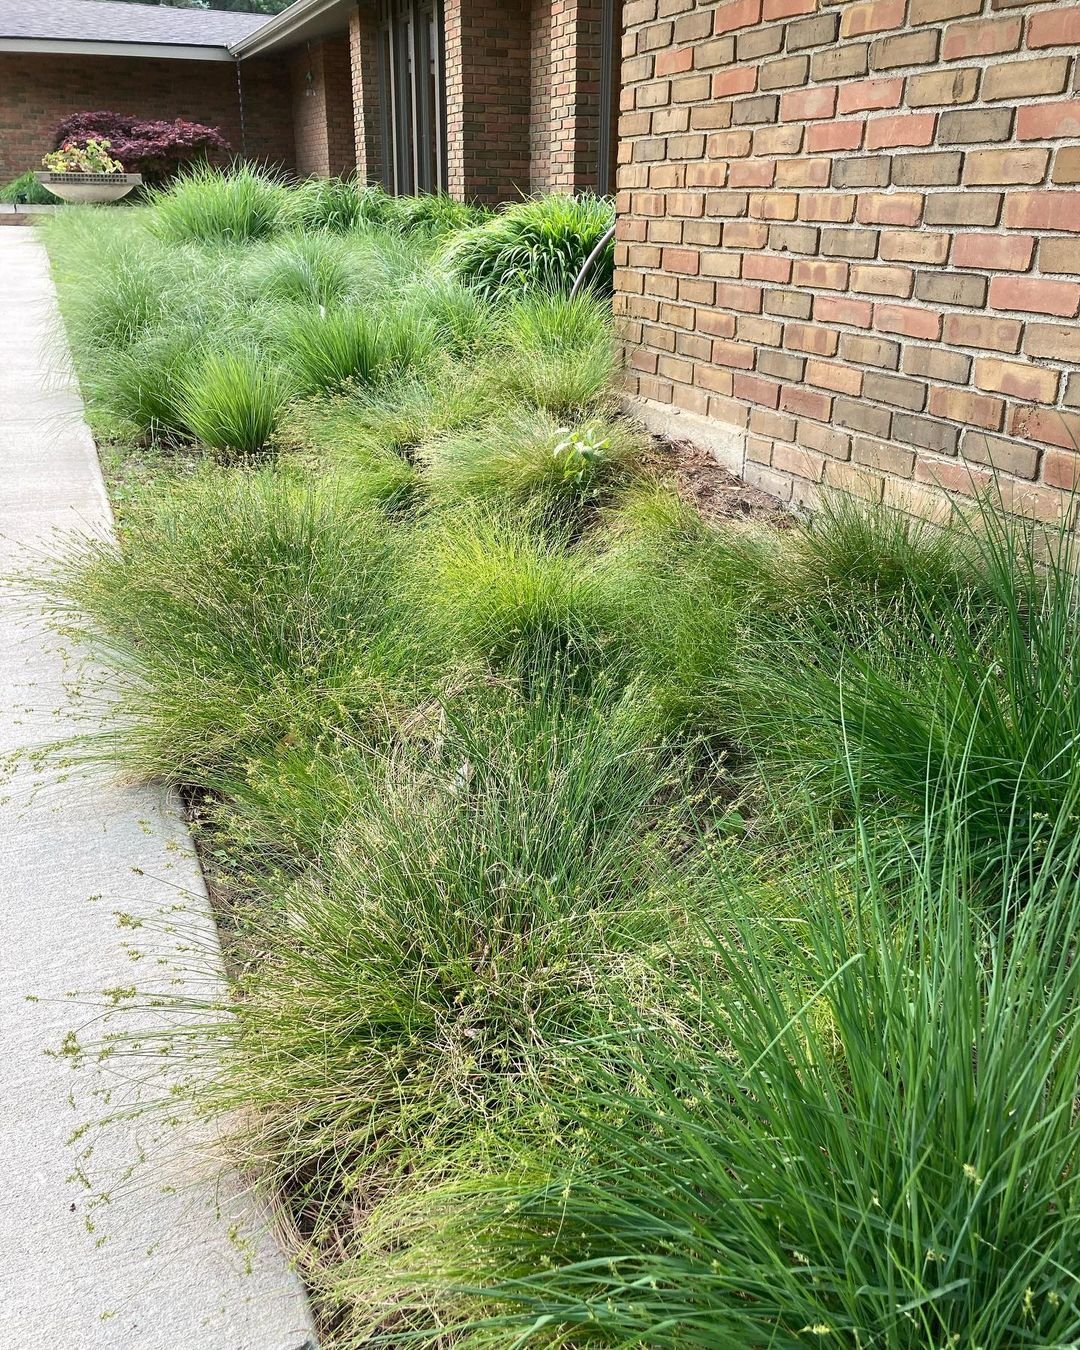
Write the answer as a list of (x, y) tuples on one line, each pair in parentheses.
[(240, 101)]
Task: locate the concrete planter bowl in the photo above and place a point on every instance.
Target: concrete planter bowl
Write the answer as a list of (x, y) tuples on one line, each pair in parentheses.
[(89, 187)]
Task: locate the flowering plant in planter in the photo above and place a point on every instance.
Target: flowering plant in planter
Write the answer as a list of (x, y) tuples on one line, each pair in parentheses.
[(93, 157)]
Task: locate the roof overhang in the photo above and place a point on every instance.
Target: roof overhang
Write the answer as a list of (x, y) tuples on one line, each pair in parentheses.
[(303, 21), (161, 51)]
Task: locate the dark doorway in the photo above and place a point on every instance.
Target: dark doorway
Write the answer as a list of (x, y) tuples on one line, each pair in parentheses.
[(610, 88), (413, 93)]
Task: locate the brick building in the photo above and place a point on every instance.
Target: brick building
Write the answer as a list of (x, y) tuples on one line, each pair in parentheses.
[(849, 230)]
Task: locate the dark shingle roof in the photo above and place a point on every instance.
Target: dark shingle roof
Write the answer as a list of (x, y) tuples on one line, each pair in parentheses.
[(112, 21)]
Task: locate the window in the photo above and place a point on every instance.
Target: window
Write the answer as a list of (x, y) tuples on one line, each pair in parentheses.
[(413, 96)]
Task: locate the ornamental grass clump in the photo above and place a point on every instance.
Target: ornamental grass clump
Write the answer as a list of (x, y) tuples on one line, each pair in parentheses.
[(976, 696), (532, 246), (869, 1137), (478, 896), (231, 401), (526, 454), (206, 206), (247, 610), (313, 270), (326, 351)]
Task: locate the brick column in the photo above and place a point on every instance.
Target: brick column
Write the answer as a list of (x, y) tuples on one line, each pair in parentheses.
[(366, 111), (487, 98)]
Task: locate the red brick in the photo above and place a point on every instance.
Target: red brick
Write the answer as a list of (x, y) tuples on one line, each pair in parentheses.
[(833, 309), (1047, 425), (907, 129), (981, 37), (812, 338), (959, 405), (674, 61), (754, 389), (786, 9), (1062, 469), (979, 330), (744, 298), (1043, 210), (739, 80), (766, 267), (873, 16), (1047, 121), (806, 403), (804, 105), (1036, 295), (684, 260), (736, 14), (906, 319), (834, 136), (838, 207), (1033, 384), (866, 94), (1057, 27), (994, 252), (896, 208), (818, 275)]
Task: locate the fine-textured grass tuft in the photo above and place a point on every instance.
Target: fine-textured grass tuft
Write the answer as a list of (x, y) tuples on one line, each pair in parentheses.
[(527, 453), (232, 400), (328, 350), (206, 206)]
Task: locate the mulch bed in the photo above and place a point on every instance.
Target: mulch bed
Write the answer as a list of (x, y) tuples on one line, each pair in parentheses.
[(716, 494)]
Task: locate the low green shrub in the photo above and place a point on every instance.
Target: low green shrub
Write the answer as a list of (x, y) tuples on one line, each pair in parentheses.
[(435, 216), (538, 245), (232, 401), (206, 206), (868, 1139)]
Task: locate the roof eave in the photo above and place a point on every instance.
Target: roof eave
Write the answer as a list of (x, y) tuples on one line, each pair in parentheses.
[(166, 51), (303, 20)]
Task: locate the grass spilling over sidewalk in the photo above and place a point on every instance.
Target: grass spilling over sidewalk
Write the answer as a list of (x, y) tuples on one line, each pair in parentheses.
[(642, 932)]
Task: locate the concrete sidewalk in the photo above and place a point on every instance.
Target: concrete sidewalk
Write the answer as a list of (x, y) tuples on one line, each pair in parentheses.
[(129, 1237)]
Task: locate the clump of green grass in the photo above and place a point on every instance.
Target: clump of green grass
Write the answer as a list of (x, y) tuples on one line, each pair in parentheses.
[(247, 611), (502, 589), (435, 216), (527, 454), (478, 897), (207, 206), (556, 354), (534, 246), (329, 350), (978, 699), (870, 1138), (27, 191), (338, 205), (232, 401), (316, 270)]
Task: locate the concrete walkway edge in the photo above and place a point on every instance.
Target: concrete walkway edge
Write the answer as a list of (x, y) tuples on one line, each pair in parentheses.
[(131, 1236)]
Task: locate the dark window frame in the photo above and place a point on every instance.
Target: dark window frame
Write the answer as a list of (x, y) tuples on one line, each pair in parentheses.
[(413, 96)]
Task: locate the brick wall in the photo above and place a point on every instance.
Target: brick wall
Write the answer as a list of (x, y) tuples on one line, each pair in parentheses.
[(488, 83), (36, 92), (322, 108), (566, 83), (849, 244)]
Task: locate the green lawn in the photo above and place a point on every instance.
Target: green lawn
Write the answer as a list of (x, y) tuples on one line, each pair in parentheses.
[(642, 932)]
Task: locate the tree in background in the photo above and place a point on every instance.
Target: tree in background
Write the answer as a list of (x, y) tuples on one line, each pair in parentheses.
[(241, 6)]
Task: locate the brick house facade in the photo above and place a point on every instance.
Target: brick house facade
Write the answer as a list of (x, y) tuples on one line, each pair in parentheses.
[(849, 241), (848, 250)]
